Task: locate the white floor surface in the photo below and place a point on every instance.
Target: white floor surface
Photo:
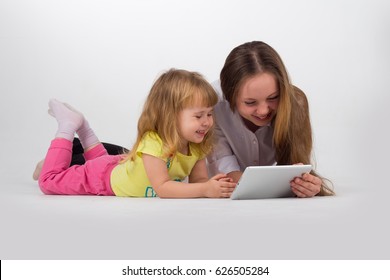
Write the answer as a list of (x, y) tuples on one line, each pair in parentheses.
[(351, 225)]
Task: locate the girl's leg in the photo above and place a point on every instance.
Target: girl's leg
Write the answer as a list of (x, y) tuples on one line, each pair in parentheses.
[(70, 121), (57, 177), (87, 139), (78, 151), (86, 135), (78, 155), (77, 158), (60, 152), (91, 145), (38, 169)]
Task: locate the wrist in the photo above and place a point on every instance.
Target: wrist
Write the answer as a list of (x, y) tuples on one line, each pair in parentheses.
[(206, 189)]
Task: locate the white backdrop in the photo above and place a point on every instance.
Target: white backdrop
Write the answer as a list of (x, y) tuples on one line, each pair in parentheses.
[(103, 56)]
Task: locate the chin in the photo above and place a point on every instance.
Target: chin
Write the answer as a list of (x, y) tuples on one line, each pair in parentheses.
[(199, 141), (261, 123), (264, 122)]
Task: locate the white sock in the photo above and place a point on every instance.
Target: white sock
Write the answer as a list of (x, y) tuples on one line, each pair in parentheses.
[(68, 121), (86, 134)]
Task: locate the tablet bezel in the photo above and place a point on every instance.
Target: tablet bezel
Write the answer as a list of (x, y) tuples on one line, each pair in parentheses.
[(261, 182)]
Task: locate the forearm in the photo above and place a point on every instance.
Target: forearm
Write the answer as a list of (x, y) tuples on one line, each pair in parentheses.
[(173, 189)]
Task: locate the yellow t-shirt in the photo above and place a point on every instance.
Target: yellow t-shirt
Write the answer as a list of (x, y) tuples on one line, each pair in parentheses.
[(129, 178)]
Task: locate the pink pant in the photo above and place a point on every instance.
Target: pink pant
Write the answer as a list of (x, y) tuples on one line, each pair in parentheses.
[(91, 178)]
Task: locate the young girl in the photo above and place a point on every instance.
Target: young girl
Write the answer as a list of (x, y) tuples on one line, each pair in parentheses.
[(174, 137)]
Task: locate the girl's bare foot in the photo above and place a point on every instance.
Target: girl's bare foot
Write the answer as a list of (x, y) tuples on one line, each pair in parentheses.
[(37, 170)]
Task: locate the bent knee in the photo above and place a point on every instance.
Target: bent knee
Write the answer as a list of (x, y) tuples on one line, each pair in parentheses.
[(46, 185)]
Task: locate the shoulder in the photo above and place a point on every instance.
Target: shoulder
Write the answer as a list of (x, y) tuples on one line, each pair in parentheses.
[(151, 136), (150, 141)]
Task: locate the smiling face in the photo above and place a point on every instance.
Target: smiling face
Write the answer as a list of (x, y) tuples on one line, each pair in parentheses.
[(194, 124), (258, 99)]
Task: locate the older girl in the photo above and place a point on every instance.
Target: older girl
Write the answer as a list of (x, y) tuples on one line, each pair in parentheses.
[(261, 118)]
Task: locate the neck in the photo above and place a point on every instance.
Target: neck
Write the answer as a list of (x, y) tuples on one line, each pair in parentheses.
[(250, 125), (184, 148)]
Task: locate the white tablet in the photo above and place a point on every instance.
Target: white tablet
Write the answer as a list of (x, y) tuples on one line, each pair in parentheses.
[(268, 181)]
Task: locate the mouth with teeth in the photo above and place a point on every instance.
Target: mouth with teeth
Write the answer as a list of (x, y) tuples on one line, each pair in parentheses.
[(201, 133), (263, 118)]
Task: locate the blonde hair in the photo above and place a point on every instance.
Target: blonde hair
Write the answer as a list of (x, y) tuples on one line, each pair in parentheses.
[(172, 92), (292, 136)]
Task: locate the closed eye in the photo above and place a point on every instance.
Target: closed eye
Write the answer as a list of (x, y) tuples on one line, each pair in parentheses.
[(276, 97)]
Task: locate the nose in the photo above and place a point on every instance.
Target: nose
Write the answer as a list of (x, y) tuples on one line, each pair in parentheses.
[(262, 109), (208, 121)]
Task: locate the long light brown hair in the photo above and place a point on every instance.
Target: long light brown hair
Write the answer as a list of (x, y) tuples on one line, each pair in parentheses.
[(292, 136), (172, 92)]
